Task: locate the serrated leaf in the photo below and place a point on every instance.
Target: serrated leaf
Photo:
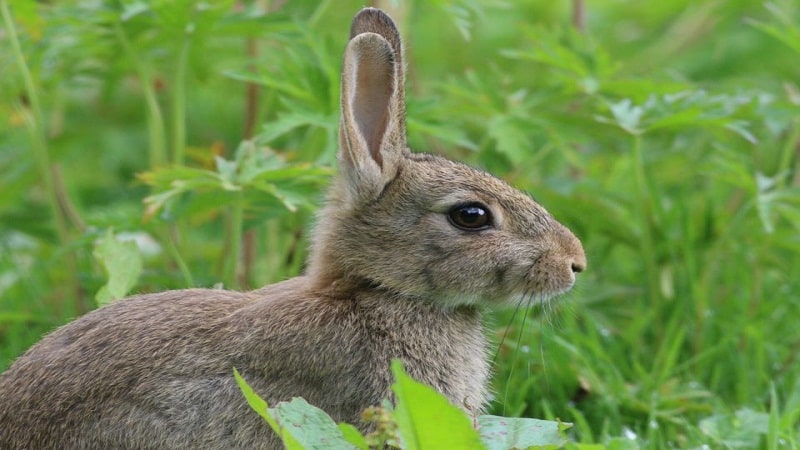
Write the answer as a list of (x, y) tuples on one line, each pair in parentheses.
[(500, 433), (309, 426), (627, 115), (510, 138), (123, 265), (254, 171)]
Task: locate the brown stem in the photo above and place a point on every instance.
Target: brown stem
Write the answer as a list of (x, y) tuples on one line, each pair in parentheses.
[(250, 238), (251, 93), (579, 15)]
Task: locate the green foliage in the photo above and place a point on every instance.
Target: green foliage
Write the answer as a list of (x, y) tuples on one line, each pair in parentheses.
[(665, 134), (422, 419), (743, 429), (123, 265), (425, 419), (502, 433)]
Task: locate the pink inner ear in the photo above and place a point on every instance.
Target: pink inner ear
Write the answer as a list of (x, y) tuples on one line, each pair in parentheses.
[(372, 92)]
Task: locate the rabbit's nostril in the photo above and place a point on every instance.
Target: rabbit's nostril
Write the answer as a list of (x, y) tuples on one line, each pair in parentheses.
[(577, 267)]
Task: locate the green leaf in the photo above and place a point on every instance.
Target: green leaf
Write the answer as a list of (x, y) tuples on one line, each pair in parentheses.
[(426, 419), (255, 170), (499, 433), (619, 443), (123, 265), (260, 406), (511, 140), (353, 436), (290, 121), (627, 115), (574, 446), (741, 430), (310, 426), (786, 31)]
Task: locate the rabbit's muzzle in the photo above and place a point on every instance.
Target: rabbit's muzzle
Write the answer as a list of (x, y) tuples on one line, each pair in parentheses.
[(553, 272)]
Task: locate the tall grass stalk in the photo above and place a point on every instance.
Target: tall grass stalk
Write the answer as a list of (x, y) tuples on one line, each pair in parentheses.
[(156, 134), (175, 255), (36, 127), (787, 153), (646, 210), (178, 105)]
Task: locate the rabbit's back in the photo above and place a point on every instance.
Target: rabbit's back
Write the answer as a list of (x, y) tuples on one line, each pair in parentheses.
[(117, 373), (117, 378)]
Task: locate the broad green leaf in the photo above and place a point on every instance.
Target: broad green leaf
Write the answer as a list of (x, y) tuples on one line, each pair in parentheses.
[(123, 265), (499, 433), (310, 426), (744, 429), (426, 419)]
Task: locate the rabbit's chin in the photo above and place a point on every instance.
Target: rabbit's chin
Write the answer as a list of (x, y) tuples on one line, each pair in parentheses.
[(512, 300)]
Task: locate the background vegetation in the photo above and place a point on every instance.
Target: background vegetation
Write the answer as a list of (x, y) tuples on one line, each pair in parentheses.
[(665, 134)]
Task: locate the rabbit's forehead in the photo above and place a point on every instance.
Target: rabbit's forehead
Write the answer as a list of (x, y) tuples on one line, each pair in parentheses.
[(447, 183)]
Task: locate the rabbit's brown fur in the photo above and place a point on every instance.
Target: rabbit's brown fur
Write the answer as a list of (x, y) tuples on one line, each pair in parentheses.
[(390, 276)]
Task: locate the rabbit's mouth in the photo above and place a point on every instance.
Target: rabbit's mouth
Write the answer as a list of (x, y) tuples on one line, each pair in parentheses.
[(528, 292)]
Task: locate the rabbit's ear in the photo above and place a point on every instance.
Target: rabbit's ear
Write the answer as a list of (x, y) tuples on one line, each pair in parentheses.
[(372, 129)]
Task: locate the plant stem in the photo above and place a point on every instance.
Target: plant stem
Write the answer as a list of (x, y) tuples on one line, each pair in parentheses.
[(179, 103), (155, 119), (648, 247), (234, 240), (172, 249), (579, 15), (250, 241), (787, 152), (35, 125)]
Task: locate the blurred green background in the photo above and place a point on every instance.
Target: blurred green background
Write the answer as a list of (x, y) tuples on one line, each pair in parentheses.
[(665, 134)]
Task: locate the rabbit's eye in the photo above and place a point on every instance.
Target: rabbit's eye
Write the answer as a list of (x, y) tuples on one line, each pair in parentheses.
[(471, 217)]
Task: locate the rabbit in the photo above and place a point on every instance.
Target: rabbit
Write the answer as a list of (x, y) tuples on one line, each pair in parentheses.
[(408, 253)]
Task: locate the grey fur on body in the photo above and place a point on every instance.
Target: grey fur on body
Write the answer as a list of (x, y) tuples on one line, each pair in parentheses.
[(169, 383), (389, 276)]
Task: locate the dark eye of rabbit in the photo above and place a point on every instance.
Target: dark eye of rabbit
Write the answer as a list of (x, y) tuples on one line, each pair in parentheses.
[(471, 217)]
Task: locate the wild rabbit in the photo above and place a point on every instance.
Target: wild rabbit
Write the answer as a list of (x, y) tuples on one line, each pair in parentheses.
[(408, 252)]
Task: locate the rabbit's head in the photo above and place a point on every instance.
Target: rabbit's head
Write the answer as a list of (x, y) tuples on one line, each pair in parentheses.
[(419, 225)]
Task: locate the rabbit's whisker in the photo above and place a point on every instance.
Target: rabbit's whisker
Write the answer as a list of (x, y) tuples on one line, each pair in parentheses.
[(526, 299), (505, 330)]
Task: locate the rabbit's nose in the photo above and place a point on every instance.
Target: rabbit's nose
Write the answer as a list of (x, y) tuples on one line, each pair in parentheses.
[(572, 250), (578, 263)]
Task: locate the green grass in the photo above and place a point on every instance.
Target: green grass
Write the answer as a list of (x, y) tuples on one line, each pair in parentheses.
[(666, 135)]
